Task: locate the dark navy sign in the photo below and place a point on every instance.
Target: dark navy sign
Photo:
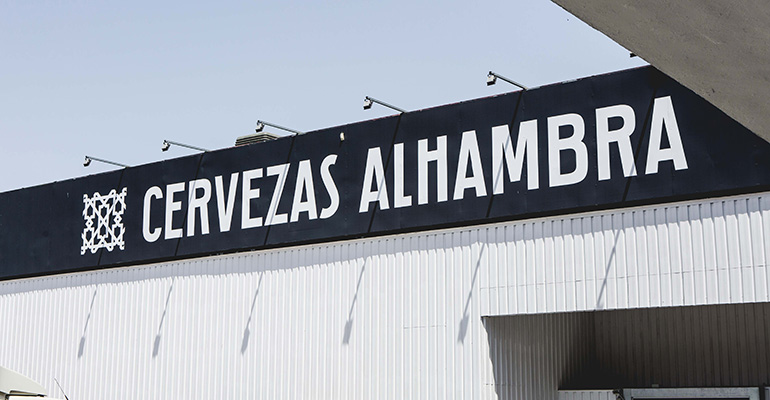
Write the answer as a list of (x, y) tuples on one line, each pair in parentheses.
[(632, 137)]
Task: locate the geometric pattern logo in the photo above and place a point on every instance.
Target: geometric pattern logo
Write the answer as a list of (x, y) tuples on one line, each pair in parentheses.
[(103, 216)]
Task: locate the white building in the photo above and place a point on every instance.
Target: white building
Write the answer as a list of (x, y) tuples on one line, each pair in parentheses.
[(622, 279)]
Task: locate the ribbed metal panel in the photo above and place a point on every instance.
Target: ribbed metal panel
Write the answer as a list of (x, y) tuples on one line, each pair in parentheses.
[(707, 346), (587, 395), (535, 355), (386, 318), (707, 252), (391, 317), (732, 393)]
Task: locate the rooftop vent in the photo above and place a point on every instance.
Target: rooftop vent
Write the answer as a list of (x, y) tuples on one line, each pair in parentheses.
[(255, 138)]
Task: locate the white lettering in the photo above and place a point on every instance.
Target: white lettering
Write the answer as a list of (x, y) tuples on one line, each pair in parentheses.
[(526, 146), (150, 235), (199, 203), (171, 207), (575, 143), (621, 136), (272, 217), (248, 193), (225, 206), (399, 199), (304, 184), (331, 187), (469, 151), (374, 173), (663, 115), (423, 158)]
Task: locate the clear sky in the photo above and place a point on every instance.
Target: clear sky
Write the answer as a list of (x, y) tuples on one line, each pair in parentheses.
[(112, 79)]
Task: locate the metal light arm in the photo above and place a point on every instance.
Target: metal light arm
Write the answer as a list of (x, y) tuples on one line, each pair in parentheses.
[(369, 100), (492, 78), (261, 125), (168, 143), (88, 160)]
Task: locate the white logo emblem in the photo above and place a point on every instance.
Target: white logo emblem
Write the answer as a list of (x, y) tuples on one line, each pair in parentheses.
[(103, 216)]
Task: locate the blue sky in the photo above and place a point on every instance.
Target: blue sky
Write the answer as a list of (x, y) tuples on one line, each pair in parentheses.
[(113, 79)]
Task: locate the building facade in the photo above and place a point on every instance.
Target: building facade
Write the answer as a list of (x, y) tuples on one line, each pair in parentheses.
[(607, 233)]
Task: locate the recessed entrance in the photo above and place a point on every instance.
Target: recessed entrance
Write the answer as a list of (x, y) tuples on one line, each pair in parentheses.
[(692, 394), (709, 347)]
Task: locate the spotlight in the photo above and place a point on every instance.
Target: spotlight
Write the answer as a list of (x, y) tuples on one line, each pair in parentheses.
[(342, 136), (88, 160), (168, 143), (369, 100), (261, 125), (492, 79)]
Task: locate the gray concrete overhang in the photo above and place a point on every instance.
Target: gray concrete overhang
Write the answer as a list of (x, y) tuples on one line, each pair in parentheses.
[(718, 49)]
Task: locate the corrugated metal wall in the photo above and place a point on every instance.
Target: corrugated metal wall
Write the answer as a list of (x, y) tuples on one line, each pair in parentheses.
[(391, 317), (706, 346), (707, 252), (587, 395), (732, 393), (535, 355), (725, 345), (386, 318)]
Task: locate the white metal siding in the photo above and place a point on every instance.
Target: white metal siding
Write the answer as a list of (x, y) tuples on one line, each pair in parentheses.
[(535, 355), (385, 318), (390, 317), (694, 253), (587, 395)]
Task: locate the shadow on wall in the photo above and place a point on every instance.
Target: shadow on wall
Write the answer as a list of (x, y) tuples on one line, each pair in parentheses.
[(463, 330), (247, 330), (349, 323), (156, 344), (82, 345), (600, 296)]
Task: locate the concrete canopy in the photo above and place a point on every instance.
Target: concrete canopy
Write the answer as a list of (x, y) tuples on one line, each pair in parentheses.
[(718, 49)]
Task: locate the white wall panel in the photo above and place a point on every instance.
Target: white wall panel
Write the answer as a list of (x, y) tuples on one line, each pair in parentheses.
[(587, 395), (394, 317), (390, 317), (535, 355), (693, 253)]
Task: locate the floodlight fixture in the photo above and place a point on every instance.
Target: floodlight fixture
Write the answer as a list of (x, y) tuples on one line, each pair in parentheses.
[(261, 125), (88, 160), (368, 101), (492, 79), (168, 143)]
